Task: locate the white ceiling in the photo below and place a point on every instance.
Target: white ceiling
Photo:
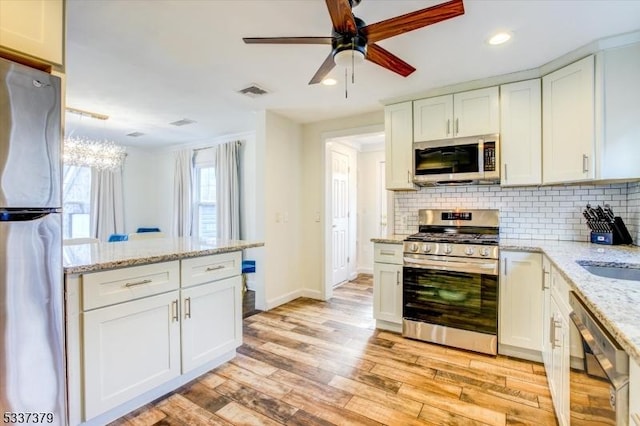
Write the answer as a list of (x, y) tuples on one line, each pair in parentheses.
[(146, 63)]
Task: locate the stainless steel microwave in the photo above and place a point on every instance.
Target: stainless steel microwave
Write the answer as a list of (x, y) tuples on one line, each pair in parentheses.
[(457, 161)]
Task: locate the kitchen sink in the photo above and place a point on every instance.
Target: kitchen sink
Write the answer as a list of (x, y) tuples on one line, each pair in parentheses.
[(619, 271)]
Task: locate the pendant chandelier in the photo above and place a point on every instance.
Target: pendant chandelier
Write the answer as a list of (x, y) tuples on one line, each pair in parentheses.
[(102, 155)]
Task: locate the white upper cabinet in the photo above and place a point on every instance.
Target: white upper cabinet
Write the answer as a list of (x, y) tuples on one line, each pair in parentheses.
[(472, 113), (521, 133), (34, 28), (399, 146), (433, 118), (618, 113), (568, 123)]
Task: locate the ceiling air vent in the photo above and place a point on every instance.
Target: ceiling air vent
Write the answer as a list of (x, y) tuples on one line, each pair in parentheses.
[(253, 91), (135, 134), (182, 122)]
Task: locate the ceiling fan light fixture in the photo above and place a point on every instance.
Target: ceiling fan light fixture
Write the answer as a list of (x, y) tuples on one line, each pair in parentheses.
[(499, 38), (329, 81), (345, 58)]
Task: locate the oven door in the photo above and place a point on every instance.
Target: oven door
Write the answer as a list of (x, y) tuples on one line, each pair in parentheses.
[(457, 293)]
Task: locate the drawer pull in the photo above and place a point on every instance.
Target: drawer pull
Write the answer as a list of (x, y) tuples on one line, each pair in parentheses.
[(138, 283), (387, 252), (214, 268)]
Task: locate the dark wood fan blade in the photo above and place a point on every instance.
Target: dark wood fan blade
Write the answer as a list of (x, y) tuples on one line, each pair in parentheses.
[(341, 16), (324, 69), (388, 60), (412, 21), (288, 40)]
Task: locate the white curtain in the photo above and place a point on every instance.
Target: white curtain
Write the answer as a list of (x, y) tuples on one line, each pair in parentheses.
[(227, 164), (107, 203), (182, 194)]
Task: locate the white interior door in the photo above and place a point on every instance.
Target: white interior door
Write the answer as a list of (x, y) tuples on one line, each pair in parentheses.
[(340, 216)]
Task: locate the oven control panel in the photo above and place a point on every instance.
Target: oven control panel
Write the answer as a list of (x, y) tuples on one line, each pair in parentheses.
[(446, 249)]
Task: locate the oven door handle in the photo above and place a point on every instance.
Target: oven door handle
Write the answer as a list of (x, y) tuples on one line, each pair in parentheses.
[(617, 380), (489, 268)]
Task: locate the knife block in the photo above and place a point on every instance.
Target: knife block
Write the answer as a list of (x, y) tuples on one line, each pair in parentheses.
[(619, 234)]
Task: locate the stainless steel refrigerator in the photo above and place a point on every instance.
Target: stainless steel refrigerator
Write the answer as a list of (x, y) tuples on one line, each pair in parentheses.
[(32, 356)]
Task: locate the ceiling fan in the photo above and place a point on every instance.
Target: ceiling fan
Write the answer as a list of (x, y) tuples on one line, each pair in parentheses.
[(352, 40)]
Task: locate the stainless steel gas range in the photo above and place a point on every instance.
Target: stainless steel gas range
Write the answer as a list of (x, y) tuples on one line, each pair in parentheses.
[(450, 279)]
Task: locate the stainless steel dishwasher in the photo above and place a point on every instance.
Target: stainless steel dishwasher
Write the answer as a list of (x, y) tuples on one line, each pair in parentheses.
[(606, 360)]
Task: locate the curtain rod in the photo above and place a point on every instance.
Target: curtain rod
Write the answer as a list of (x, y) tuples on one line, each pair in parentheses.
[(210, 147)]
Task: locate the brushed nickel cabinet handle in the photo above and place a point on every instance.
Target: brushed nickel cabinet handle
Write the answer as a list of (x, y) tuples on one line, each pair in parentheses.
[(457, 126), (555, 324), (448, 126), (397, 277), (174, 311), (585, 163), (387, 252), (505, 173), (408, 176), (187, 307), (544, 279), (133, 284), (214, 268)]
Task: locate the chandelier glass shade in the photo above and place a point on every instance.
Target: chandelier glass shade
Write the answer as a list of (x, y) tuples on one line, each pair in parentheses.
[(102, 155)]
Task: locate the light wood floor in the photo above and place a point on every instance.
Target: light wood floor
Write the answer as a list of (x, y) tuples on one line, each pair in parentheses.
[(323, 363)]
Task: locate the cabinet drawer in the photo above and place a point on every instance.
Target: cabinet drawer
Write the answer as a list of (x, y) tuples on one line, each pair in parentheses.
[(121, 285), (199, 270), (388, 253)]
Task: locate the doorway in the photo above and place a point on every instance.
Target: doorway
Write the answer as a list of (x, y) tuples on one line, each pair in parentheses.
[(353, 189)]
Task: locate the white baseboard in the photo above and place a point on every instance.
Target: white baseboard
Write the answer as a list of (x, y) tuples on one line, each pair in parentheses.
[(303, 292), (368, 271)]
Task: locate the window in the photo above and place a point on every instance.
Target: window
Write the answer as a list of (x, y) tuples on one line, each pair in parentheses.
[(205, 203), (76, 202)]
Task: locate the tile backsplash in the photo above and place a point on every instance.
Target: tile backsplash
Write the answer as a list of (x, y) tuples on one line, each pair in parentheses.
[(550, 212)]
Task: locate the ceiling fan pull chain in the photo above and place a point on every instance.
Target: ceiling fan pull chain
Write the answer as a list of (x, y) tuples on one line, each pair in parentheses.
[(346, 85)]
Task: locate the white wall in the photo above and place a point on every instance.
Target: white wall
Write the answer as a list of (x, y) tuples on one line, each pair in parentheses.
[(279, 200), (368, 206), (148, 184), (313, 198)]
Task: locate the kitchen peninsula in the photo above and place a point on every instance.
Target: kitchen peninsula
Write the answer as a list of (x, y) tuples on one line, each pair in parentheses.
[(145, 317)]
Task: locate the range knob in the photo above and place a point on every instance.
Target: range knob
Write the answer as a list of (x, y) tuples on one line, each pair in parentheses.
[(469, 251), (426, 248), (484, 252), (447, 249), (414, 247)]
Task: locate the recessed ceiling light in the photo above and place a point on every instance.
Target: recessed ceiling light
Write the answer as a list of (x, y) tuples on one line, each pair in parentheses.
[(329, 81), (499, 38)]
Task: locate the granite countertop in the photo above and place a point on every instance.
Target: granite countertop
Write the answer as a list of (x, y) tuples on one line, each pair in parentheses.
[(614, 302), (99, 256)]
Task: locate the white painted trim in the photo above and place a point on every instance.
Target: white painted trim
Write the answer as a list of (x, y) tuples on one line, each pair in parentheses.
[(285, 298), (312, 294), (389, 326), (368, 271), (204, 143)]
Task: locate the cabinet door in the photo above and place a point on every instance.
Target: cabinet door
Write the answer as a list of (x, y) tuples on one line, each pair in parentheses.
[(129, 349), (521, 300), (559, 381), (618, 109), (387, 292), (476, 112), (433, 118), (546, 312), (33, 27), (521, 133), (568, 123), (399, 146), (211, 321), (634, 393)]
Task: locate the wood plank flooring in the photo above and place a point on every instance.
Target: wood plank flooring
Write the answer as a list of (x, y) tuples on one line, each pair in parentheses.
[(323, 363)]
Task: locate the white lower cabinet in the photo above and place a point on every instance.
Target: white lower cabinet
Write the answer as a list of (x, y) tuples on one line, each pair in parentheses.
[(634, 393), (558, 350), (136, 333), (211, 321), (387, 286), (521, 301), (129, 349)]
